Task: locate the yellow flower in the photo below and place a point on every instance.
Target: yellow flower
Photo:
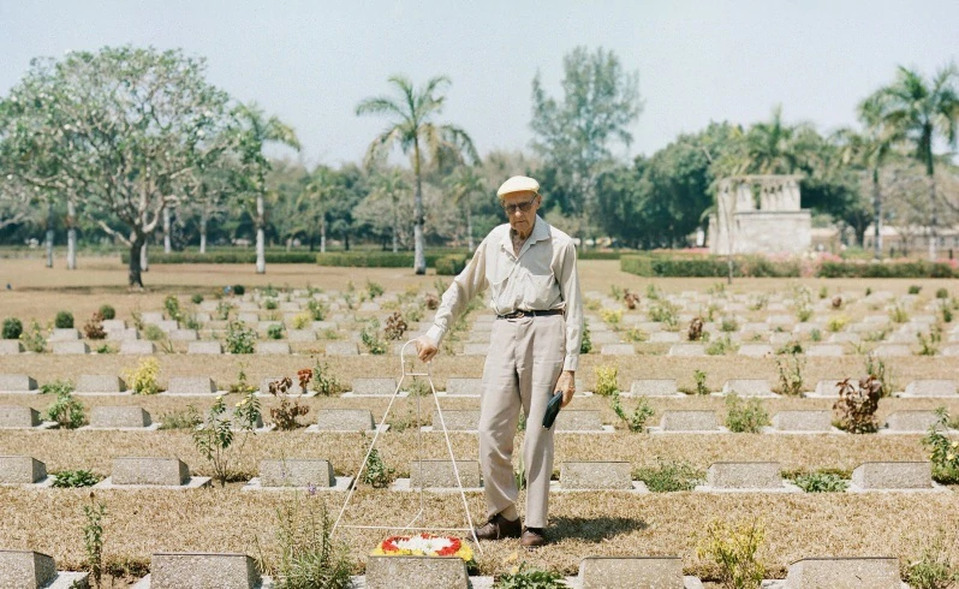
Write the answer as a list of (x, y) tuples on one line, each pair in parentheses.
[(950, 456), (955, 444)]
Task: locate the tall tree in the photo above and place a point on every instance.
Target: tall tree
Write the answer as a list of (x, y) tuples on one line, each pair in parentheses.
[(390, 186), (412, 113), (919, 111), (464, 183), (575, 135), (256, 131)]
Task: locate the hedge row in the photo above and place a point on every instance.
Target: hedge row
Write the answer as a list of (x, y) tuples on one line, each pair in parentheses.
[(911, 269), (226, 257), (451, 265), (698, 265)]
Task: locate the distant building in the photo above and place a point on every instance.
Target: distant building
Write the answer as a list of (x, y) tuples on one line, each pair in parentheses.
[(759, 214)]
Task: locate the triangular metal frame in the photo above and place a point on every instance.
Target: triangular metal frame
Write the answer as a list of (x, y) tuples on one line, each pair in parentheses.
[(420, 456)]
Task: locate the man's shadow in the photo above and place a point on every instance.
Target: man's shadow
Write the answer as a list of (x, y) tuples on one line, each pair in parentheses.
[(594, 529)]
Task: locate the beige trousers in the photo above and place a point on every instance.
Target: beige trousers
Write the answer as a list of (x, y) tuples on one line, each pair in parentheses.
[(524, 362)]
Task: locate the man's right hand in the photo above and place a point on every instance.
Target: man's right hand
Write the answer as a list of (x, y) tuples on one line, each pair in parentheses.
[(425, 349)]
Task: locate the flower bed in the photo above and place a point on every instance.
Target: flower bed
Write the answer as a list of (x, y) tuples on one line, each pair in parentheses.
[(424, 545)]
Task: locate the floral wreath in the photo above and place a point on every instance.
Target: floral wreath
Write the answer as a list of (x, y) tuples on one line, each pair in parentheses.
[(424, 545)]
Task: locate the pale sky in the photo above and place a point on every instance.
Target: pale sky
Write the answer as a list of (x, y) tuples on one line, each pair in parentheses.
[(311, 62)]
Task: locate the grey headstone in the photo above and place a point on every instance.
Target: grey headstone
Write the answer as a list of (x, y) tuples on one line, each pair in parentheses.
[(187, 570), (611, 337), (472, 387), (16, 416), (191, 385), (824, 350), (457, 420), (273, 348), (374, 386), (17, 383), (296, 473), (342, 349), (149, 471), (183, 335), (117, 416), (911, 420), (323, 325), (301, 335), (113, 324), (618, 350), (10, 346), (828, 387), (416, 572), (204, 348), (248, 318), (100, 383), (122, 335), (25, 569), (844, 338), (653, 387), (659, 337), (613, 572), (433, 474), (687, 350), (893, 475), (744, 475), (803, 421), (151, 317), (747, 387), (289, 307), (352, 420), (137, 347), (596, 475), (755, 350), (579, 420), (21, 470), (844, 573), (64, 335), (168, 325), (891, 350), (931, 388), (70, 348), (692, 420)]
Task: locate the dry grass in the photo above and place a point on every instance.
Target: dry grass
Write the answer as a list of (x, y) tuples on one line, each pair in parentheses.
[(140, 523)]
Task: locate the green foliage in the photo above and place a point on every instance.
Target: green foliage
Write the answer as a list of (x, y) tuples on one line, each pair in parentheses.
[(271, 304), (932, 567), (898, 314), (309, 557), (239, 338), (699, 265), (876, 368), (275, 331), (214, 437), (820, 481), (663, 311), (12, 328), (325, 382), (187, 418), (670, 476), (108, 312), (929, 345), (143, 380), (377, 474), (607, 383), (238, 289), (815, 335), (93, 514), (790, 371), (318, 309), (745, 416), (700, 377), (857, 404), (728, 325), (93, 329), (172, 306), (63, 320), (914, 289), (153, 333), (612, 316), (942, 293), (526, 577), (223, 309), (944, 452), (734, 546), (57, 387), (234, 256), (451, 265), (586, 345), (68, 479), (721, 346), (371, 338), (66, 411), (196, 299), (887, 269), (635, 421)]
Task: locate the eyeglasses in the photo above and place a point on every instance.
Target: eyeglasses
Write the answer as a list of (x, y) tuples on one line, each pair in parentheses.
[(521, 206)]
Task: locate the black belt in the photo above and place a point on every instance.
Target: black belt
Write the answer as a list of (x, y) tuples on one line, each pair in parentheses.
[(520, 313)]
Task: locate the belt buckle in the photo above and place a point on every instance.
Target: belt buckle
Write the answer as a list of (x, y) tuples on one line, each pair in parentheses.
[(519, 313)]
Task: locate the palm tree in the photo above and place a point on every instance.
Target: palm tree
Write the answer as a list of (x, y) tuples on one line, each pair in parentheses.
[(390, 185), (412, 127), (321, 186), (256, 131), (774, 147), (918, 112), (464, 183)]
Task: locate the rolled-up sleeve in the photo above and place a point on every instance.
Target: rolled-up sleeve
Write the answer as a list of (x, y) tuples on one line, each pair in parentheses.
[(466, 285), (568, 278)]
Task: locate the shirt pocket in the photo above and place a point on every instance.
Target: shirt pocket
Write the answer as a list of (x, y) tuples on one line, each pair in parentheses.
[(539, 291)]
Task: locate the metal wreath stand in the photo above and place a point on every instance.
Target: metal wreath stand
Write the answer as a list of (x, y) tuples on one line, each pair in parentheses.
[(420, 455)]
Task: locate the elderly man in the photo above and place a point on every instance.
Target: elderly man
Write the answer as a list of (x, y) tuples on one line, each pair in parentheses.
[(530, 270)]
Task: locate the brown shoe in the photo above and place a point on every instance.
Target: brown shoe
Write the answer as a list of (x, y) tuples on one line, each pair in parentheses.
[(499, 527), (533, 537)]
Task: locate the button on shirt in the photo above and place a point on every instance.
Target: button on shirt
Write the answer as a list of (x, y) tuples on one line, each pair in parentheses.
[(542, 277)]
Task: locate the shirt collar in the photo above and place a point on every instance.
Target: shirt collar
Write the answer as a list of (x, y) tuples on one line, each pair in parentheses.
[(539, 233)]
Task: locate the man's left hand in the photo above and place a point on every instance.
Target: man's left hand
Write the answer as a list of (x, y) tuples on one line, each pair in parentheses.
[(567, 384)]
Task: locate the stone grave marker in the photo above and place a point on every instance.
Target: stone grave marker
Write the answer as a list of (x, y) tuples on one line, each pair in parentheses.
[(828, 387), (15, 416), (10, 346), (803, 421), (892, 351), (64, 335), (744, 475), (438, 474), (410, 572), (659, 337), (457, 420), (638, 572), (747, 387), (188, 570), (844, 573), (931, 388), (122, 335), (755, 350), (204, 348), (687, 350), (21, 470), (151, 317), (653, 388), (892, 475), (168, 472), (191, 385), (116, 324), (467, 387), (168, 325), (579, 421), (301, 335), (342, 349), (596, 475), (844, 338), (824, 350), (17, 383), (292, 472), (344, 420), (689, 421), (911, 421), (100, 383), (25, 569), (137, 347), (70, 348), (273, 348), (119, 417), (618, 350), (248, 318), (374, 386), (182, 335)]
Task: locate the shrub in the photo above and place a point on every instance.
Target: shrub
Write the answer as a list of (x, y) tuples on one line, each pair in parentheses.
[(93, 538), (302, 320), (271, 304), (33, 339), (942, 293), (187, 418), (665, 312), (635, 421), (108, 312), (196, 299), (309, 557), (606, 380), (371, 338), (857, 405), (586, 345), (317, 309), (93, 329), (525, 577), (932, 568), (914, 289), (820, 481), (153, 333), (285, 414), (728, 324), (747, 416), (172, 306), (700, 378), (944, 452), (214, 437), (239, 338), (876, 368), (395, 327), (223, 309), (275, 331), (735, 546), (898, 314), (790, 374), (68, 479), (612, 316), (239, 290), (721, 346), (635, 334), (450, 265), (377, 474), (57, 387), (63, 320), (66, 411), (837, 323), (143, 379), (12, 328), (325, 382), (670, 476)]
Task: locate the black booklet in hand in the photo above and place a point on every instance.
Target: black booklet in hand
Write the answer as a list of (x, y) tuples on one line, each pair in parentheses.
[(552, 409)]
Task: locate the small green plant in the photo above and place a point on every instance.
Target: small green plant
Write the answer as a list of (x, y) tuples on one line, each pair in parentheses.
[(242, 384), (876, 368), (143, 380), (820, 481), (946, 311), (526, 577), (108, 312), (56, 387), (700, 377), (929, 346), (868, 291), (325, 382), (652, 292), (223, 309), (932, 567), (635, 421), (837, 323), (419, 387), (373, 289), (286, 413), (69, 479), (790, 371), (802, 302), (93, 538), (12, 328), (172, 306), (105, 349), (238, 289), (666, 313), (758, 302), (187, 418), (317, 309), (721, 346), (815, 335), (309, 557), (66, 411), (153, 333), (371, 338), (302, 320), (635, 334), (275, 331), (914, 289), (214, 436), (898, 314), (790, 348), (613, 317), (745, 416), (735, 546), (271, 304), (671, 475), (240, 339), (63, 320), (616, 292), (823, 292), (942, 293), (606, 380), (728, 324), (196, 299), (857, 404), (586, 345), (944, 452), (377, 474)]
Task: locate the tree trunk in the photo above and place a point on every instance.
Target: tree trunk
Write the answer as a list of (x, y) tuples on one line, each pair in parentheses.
[(137, 248), (144, 259), (49, 238), (71, 234), (419, 251), (469, 227), (203, 221), (167, 223), (396, 230), (260, 237), (877, 220), (323, 235), (933, 220)]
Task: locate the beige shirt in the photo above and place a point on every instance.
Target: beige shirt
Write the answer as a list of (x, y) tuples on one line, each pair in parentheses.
[(543, 276)]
